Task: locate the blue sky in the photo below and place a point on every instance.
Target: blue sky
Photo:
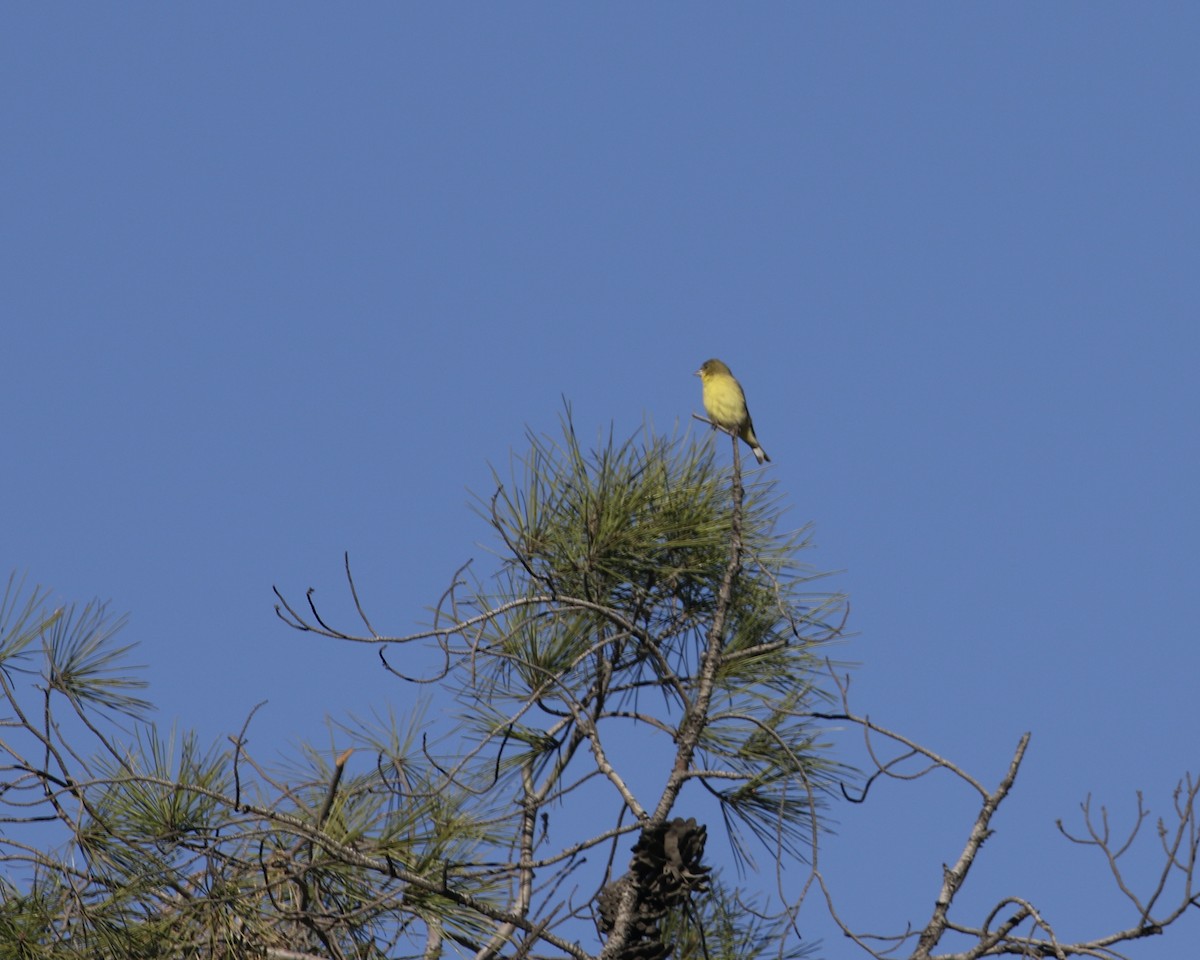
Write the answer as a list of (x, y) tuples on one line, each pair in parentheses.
[(280, 281)]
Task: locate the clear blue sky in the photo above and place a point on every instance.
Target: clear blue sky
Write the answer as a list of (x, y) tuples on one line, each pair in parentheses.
[(280, 280)]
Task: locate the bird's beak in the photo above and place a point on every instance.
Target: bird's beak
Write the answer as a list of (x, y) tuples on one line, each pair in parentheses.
[(696, 373)]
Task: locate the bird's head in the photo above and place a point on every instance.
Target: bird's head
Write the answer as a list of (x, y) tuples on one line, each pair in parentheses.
[(710, 368)]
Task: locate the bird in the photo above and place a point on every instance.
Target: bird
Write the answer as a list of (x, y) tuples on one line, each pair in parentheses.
[(725, 404)]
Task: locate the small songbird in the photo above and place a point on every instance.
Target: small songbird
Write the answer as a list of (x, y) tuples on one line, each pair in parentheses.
[(725, 404)]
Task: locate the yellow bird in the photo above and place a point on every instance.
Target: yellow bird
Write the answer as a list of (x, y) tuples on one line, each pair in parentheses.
[(725, 404)]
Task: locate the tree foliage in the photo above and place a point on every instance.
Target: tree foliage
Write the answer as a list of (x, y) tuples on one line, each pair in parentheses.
[(646, 669)]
